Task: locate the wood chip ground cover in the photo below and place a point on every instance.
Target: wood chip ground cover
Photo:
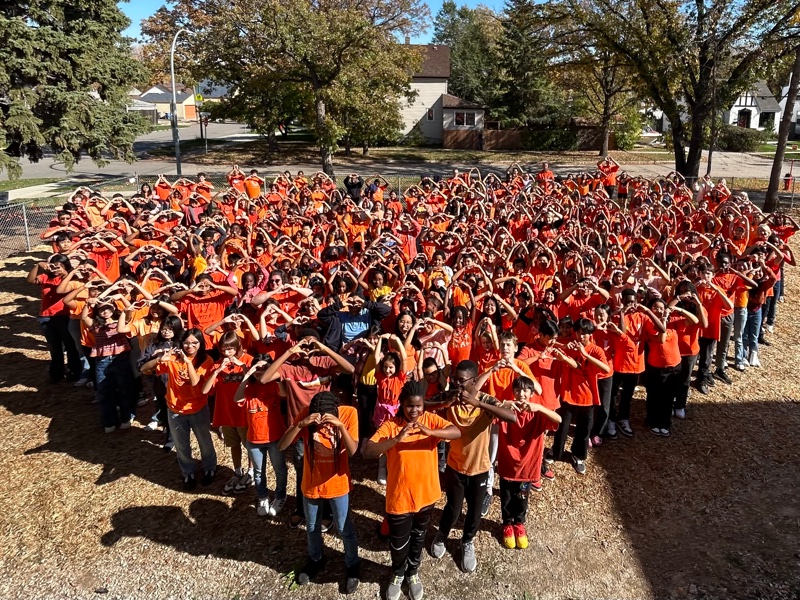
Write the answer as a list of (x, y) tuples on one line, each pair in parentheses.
[(711, 512)]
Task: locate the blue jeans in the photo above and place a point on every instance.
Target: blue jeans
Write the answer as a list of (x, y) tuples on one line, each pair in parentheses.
[(739, 321), (297, 461), (258, 454), (114, 387), (200, 423), (74, 329), (344, 523), (752, 330)]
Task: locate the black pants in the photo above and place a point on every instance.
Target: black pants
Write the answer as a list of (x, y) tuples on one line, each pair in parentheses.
[(514, 501), (603, 410), (442, 449), (705, 359), (367, 396), (684, 382), (459, 487), (59, 340), (406, 539), (661, 391), (627, 383), (582, 415)]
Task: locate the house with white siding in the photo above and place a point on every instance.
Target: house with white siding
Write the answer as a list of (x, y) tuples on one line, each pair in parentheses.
[(756, 108)]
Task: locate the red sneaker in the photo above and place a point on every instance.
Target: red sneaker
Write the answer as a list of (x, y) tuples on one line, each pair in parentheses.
[(521, 535), (509, 540), (547, 472)]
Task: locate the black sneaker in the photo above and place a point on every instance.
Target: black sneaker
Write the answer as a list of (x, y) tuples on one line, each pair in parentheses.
[(208, 476), (709, 381), (311, 569), (296, 521), (763, 342), (702, 387), (189, 483), (723, 376), (487, 503), (353, 579)]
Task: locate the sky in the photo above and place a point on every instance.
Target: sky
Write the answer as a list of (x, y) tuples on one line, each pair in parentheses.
[(141, 9)]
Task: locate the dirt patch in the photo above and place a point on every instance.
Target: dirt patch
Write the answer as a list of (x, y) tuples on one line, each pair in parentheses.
[(711, 512)]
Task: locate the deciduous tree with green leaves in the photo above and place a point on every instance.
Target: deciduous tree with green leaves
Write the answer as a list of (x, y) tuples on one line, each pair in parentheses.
[(690, 55), (313, 46), (65, 73)]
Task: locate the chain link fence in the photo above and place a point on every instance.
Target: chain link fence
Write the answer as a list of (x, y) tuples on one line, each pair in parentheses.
[(23, 222)]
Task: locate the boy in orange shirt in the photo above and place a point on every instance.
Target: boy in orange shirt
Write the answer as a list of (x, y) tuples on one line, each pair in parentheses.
[(579, 394), (520, 458), (329, 433)]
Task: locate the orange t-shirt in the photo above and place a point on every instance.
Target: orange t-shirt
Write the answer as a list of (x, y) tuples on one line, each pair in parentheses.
[(262, 406), (662, 355), (500, 382), (628, 351), (325, 475), (412, 481), (252, 186), (202, 311), (579, 386), (228, 413), (183, 397)]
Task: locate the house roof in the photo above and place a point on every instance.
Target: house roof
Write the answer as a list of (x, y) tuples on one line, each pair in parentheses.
[(435, 62), (164, 97), (137, 104), (765, 101), (450, 101)]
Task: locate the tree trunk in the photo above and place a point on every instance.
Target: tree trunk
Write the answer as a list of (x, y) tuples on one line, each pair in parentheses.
[(325, 154), (677, 144), (692, 166), (365, 148), (348, 150), (272, 141), (772, 201), (605, 124)]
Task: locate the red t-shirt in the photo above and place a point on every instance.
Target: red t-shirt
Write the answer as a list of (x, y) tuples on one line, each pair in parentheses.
[(520, 446), (228, 413)]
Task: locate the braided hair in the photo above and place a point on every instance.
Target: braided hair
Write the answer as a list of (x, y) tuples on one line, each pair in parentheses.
[(324, 403), (412, 389)]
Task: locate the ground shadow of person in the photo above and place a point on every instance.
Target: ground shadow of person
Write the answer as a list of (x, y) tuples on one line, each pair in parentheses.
[(212, 528)]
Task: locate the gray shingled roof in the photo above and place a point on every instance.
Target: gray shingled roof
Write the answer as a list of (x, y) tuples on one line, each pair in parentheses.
[(164, 97), (764, 99)]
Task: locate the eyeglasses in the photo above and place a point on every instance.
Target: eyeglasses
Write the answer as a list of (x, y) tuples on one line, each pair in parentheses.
[(461, 380), (431, 373)]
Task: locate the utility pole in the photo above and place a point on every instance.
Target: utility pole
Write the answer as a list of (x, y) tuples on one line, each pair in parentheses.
[(174, 110)]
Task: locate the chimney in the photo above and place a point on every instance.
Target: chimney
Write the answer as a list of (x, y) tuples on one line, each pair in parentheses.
[(408, 40)]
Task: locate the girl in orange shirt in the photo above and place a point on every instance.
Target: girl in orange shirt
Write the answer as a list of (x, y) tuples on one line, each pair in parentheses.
[(390, 379), (409, 442), (330, 437), (662, 373)]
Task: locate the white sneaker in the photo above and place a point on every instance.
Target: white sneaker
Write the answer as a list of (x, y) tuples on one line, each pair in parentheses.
[(381, 475), (276, 507), (612, 429), (754, 362), (126, 424), (111, 429), (770, 329), (151, 426), (263, 507), (82, 381), (679, 413)]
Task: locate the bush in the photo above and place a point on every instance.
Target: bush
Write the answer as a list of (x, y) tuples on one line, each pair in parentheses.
[(556, 139), (738, 139), (629, 131)]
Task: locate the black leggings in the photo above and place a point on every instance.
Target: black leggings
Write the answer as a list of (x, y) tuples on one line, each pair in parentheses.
[(662, 387), (367, 396), (603, 410), (406, 539)]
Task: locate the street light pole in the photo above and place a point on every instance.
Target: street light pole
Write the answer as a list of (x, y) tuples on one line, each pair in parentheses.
[(174, 112)]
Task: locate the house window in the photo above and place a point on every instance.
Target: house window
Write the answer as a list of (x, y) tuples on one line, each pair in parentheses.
[(430, 114), (465, 119), (766, 121)]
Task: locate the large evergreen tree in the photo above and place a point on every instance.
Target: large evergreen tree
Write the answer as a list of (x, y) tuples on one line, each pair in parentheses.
[(65, 72)]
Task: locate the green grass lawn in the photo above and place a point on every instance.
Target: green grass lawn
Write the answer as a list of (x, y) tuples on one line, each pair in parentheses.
[(23, 183), (168, 150)]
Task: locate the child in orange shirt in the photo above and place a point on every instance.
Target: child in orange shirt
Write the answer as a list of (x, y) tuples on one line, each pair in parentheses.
[(330, 437), (265, 427), (409, 442), (519, 455), (390, 379)]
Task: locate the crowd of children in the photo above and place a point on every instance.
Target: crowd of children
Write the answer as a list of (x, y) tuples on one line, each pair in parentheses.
[(443, 330)]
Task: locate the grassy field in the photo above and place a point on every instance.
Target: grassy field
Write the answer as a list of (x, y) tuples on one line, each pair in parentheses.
[(257, 153), (710, 513), (23, 183)]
